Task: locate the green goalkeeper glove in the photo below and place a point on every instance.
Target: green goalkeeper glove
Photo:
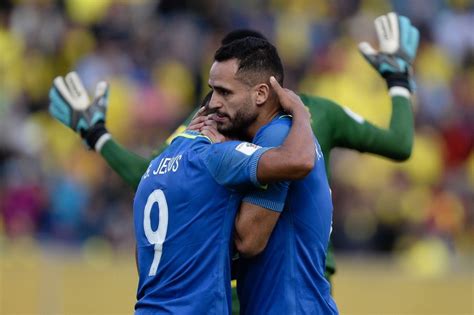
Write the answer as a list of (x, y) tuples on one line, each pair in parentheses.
[(398, 42), (70, 104)]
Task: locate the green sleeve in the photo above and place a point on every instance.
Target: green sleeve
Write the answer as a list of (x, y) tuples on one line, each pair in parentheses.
[(130, 166), (353, 132)]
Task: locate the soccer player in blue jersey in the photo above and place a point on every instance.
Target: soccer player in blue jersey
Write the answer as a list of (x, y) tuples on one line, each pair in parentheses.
[(331, 125), (183, 246), (185, 206), (291, 236)]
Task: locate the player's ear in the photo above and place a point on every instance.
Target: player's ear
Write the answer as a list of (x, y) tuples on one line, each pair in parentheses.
[(262, 92)]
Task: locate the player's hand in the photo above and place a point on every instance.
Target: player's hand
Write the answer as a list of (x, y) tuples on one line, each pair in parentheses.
[(198, 120), (212, 133), (206, 126), (398, 44), (70, 104), (209, 129), (289, 100)]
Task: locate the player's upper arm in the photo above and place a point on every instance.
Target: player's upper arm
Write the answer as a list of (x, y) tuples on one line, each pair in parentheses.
[(273, 197), (261, 209), (292, 159), (234, 164)]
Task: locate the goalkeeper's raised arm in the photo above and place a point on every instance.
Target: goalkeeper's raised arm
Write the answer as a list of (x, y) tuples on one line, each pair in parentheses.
[(398, 44), (70, 105)]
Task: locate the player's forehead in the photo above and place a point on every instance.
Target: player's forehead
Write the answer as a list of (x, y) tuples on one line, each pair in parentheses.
[(223, 74)]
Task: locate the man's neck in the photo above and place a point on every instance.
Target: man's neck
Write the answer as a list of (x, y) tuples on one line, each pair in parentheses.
[(263, 118)]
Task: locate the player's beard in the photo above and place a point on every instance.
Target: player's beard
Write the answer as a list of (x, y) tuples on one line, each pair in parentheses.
[(238, 126)]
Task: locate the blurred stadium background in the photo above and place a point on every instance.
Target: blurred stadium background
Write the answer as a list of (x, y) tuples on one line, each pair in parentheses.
[(403, 233)]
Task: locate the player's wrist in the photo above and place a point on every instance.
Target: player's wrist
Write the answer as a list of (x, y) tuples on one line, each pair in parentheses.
[(96, 136), (102, 141), (299, 112), (399, 91), (397, 80)]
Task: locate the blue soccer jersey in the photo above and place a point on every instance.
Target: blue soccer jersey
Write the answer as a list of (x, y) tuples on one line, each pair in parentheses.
[(184, 212), (288, 276)]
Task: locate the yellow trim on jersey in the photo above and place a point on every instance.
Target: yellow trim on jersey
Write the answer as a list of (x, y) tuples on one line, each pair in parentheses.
[(233, 284), (180, 129), (189, 136)]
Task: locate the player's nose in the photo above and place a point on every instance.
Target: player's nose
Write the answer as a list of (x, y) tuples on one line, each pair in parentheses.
[(215, 102)]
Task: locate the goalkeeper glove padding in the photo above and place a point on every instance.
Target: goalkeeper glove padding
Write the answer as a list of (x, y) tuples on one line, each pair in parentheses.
[(70, 104), (398, 44)]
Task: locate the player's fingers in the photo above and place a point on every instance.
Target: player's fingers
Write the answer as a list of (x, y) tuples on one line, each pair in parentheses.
[(413, 43), (385, 28), (218, 137), (77, 91), (76, 88), (196, 123), (209, 128), (276, 86), (101, 89), (210, 132), (74, 85), (379, 29), (366, 49), (368, 52), (393, 25), (61, 87), (198, 120), (290, 93), (210, 122), (195, 127), (283, 94)]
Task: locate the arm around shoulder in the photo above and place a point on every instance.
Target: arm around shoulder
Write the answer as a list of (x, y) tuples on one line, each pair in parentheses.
[(295, 158)]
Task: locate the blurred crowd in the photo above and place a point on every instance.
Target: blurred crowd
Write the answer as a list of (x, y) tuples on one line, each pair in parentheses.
[(156, 56)]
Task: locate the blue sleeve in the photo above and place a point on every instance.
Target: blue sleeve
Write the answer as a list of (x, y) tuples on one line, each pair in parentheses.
[(234, 164), (274, 196)]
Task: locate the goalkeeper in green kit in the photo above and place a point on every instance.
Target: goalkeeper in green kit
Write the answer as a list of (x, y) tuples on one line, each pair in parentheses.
[(333, 125)]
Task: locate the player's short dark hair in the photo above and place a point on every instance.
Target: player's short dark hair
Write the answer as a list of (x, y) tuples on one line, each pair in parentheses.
[(257, 59), (240, 34)]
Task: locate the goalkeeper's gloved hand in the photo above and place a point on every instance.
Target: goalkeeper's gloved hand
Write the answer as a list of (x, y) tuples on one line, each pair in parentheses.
[(70, 104), (398, 43)]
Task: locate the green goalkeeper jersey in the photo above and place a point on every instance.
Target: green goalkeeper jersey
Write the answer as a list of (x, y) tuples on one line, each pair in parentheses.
[(334, 126), (338, 127)]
